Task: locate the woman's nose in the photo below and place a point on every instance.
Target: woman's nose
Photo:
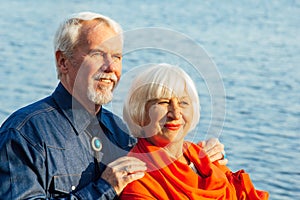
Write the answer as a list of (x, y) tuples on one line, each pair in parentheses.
[(174, 111)]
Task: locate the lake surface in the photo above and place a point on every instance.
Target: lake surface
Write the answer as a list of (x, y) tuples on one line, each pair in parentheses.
[(249, 87)]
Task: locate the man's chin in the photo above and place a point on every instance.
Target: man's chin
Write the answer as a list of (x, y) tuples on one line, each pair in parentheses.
[(100, 98), (103, 99)]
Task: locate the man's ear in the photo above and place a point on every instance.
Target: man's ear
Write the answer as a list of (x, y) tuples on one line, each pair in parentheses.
[(61, 62)]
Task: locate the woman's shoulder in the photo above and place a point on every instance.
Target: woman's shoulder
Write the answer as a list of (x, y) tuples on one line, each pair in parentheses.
[(144, 189)]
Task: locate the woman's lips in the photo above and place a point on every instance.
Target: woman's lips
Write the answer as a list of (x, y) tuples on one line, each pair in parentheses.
[(172, 127)]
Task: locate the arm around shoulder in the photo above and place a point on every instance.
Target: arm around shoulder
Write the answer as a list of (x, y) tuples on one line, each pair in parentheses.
[(23, 172)]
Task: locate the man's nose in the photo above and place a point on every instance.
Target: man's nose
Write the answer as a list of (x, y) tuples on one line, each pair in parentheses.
[(108, 65)]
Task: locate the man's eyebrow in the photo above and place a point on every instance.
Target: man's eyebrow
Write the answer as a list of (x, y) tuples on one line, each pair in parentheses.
[(99, 50), (96, 50)]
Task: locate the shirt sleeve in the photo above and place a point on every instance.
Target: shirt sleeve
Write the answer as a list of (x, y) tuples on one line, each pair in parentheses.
[(100, 189), (21, 167)]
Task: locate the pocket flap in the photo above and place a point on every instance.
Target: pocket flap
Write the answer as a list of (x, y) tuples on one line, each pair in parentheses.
[(66, 183)]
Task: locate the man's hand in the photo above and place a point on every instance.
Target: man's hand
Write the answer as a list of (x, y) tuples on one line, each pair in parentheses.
[(215, 150), (122, 171)]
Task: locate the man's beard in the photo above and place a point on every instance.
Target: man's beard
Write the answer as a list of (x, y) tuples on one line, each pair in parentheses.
[(105, 94), (100, 98)]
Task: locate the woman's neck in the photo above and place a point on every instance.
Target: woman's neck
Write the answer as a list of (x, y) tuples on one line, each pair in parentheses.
[(175, 149)]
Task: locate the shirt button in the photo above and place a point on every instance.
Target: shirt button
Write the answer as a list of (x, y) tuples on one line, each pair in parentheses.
[(73, 187)]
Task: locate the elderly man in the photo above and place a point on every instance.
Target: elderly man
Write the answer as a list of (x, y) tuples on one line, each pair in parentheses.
[(67, 146)]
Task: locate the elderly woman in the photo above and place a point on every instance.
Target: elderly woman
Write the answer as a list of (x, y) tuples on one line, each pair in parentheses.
[(161, 108)]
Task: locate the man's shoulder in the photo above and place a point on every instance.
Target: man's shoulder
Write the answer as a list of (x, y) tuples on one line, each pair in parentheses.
[(35, 110), (109, 117), (117, 128), (107, 112)]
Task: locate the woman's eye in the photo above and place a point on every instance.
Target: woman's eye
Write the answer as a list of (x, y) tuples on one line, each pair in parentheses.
[(184, 103), (163, 102)]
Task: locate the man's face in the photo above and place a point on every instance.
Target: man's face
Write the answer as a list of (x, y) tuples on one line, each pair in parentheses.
[(97, 62)]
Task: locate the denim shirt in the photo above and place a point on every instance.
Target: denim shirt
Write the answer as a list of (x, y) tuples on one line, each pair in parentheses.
[(46, 151)]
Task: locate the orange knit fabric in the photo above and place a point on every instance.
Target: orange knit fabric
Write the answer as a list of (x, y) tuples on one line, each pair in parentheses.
[(168, 178)]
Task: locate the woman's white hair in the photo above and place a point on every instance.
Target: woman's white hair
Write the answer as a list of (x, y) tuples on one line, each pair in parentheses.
[(67, 34), (159, 81)]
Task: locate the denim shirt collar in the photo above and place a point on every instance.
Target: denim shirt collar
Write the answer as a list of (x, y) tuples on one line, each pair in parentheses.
[(76, 114)]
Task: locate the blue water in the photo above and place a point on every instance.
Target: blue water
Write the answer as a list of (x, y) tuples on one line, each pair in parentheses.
[(254, 45)]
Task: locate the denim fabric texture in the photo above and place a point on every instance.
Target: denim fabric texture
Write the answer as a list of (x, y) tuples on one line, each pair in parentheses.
[(46, 151)]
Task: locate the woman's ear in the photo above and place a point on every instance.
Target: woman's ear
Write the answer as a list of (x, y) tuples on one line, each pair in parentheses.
[(61, 61)]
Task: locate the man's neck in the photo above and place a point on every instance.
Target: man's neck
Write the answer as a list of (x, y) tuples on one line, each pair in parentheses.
[(90, 106)]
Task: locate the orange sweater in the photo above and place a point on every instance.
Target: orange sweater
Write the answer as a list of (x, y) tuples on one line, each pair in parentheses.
[(167, 178)]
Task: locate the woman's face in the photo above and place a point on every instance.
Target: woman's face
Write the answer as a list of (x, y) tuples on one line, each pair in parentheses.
[(167, 119)]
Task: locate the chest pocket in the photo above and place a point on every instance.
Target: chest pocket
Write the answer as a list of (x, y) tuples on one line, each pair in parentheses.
[(64, 184)]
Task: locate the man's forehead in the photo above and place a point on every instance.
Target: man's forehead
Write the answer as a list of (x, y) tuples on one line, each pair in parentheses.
[(101, 36), (112, 45)]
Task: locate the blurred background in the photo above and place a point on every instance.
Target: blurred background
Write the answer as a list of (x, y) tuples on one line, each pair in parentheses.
[(254, 45)]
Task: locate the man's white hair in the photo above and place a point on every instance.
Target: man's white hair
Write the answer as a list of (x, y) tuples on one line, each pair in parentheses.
[(67, 34)]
